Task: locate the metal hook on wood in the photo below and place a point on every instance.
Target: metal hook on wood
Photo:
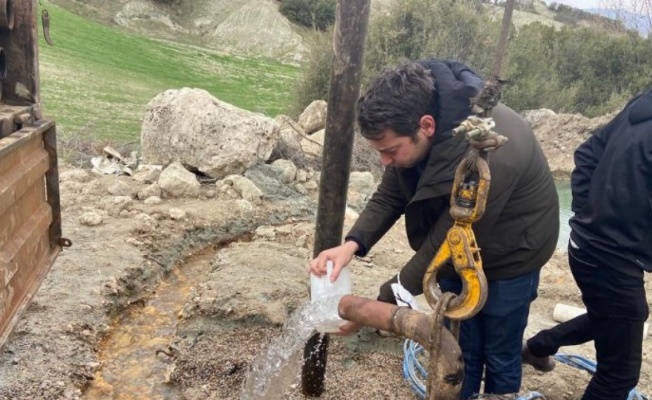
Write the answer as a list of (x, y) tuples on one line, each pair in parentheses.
[(45, 19), (6, 14)]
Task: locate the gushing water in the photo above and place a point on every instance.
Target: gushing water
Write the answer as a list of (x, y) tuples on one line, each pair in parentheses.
[(273, 371)]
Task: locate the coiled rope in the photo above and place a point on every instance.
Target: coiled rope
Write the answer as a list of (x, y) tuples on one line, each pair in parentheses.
[(417, 376)]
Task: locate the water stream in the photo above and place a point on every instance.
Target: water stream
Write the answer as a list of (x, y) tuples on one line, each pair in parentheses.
[(275, 369), (131, 368)]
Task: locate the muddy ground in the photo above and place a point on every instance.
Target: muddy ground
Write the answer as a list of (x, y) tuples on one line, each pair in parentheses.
[(253, 276)]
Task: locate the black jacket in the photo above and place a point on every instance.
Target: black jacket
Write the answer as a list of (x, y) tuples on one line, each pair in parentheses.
[(612, 189), (518, 232)]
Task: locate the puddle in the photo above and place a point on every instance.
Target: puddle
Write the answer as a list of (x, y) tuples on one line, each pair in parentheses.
[(131, 369)]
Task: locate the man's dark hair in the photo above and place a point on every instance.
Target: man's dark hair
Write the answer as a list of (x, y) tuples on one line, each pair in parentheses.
[(396, 99)]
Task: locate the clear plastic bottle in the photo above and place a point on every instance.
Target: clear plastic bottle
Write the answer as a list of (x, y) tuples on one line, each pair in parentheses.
[(329, 293)]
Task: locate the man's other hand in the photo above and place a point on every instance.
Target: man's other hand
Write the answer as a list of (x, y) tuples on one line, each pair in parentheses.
[(348, 328)]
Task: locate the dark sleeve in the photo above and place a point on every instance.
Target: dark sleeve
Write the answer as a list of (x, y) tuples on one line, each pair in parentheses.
[(586, 157), (381, 212), (411, 275)]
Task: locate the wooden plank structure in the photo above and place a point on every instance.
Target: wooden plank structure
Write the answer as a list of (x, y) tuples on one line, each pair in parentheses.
[(30, 222)]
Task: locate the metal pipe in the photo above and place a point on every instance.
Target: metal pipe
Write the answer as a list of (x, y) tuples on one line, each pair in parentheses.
[(445, 379), (387, 317)]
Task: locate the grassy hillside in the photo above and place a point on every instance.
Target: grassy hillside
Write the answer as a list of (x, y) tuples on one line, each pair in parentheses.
[(97, 80)]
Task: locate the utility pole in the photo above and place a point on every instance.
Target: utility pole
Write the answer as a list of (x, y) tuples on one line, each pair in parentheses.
[(349, 37)]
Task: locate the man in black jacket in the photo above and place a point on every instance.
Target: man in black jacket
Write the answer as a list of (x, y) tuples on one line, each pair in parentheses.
[(407, 115), (610, 248)]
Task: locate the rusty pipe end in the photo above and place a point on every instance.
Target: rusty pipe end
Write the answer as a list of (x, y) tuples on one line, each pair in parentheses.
[(446, 370), (402, 321)]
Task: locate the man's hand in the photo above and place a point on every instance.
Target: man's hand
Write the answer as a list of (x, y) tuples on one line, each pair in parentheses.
[(348, 328), (340, 256)]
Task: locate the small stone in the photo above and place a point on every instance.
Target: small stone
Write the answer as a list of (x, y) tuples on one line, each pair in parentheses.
[(177, 214), (302, 176), (153, 200), (266, 232), (311, 185), (120, 188), (90, 218), (133, 241), (301, 188)]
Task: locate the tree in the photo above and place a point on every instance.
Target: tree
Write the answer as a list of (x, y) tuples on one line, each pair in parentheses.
[(316, 14)]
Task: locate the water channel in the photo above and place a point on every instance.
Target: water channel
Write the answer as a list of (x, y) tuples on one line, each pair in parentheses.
[(564, 192), (132, 366), (133, 369)]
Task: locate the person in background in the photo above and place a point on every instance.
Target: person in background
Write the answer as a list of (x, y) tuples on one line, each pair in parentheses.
[(609, 250), (407, 115)]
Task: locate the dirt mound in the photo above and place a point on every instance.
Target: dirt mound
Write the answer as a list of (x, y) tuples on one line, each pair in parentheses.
[(561, 134)]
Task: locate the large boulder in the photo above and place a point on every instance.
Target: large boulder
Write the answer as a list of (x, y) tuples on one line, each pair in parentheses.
[(194, 128)]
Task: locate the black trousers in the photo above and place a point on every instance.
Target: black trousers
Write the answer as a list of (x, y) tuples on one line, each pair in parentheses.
[(616, 311)]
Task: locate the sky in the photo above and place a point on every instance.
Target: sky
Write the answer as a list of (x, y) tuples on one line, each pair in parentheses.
[(581, 4)]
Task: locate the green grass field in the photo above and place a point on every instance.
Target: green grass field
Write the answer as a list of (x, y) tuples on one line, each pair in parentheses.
[(97, 80)]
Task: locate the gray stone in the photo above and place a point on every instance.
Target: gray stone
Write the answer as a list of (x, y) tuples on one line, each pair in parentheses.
[(151, 190), (90, 218), (177, 181), (245, 188), (153, 200), (286, 170)]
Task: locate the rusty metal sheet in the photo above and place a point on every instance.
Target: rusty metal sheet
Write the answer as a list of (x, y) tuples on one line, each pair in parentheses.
[(30, 230)]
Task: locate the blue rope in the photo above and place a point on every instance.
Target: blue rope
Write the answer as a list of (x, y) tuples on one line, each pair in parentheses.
[(531, 396), (588, 365), (413, 372), (416, 375)]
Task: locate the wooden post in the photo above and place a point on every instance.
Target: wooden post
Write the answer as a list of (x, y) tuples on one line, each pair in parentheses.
[(346, 71), (21, 48)]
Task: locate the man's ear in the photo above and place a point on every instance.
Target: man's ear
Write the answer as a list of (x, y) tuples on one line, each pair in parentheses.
[(427, 124)]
